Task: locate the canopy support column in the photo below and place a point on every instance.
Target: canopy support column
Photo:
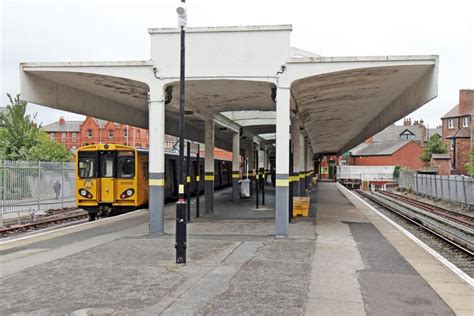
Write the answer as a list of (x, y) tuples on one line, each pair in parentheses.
[(282, 162), (156, 108), (209, 166), (235, 167)]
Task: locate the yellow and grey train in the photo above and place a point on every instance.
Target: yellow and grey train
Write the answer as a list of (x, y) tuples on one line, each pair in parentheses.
[(113, 179)]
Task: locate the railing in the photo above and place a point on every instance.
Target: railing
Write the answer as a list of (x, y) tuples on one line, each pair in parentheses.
[(452, 188), (28, 186)]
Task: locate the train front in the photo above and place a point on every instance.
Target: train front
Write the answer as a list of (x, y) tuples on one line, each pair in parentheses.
[(106, 179)]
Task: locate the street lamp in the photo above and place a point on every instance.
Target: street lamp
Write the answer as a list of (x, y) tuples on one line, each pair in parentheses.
[(180, 243)]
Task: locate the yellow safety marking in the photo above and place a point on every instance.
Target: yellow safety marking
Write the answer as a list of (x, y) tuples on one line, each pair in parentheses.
[(236, 176), (282, 182), (197, 178), (209, 178), (156, 182), (294, 178), (188, 179), (301, 176), (181, 189)]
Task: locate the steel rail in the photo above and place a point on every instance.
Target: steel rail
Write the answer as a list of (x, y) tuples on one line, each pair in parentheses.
[(455, 216), (445, 235)]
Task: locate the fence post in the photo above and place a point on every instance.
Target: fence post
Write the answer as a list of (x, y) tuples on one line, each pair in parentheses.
[(441, 184), (62, 185), (436, 187), (449, 188), (456, 189), (464, 189), (4, 190), (39, 185)]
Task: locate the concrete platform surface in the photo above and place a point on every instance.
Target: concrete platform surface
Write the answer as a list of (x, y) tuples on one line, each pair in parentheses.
[(341, 265)]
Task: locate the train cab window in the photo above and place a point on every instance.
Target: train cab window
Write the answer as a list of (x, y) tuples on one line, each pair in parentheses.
[(125, 164), (87, 164), (107, 161)]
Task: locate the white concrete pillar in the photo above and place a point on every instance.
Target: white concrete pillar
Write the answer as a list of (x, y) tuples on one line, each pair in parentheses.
[(156, 164), (235, 167), (209, 166), (282, 161)]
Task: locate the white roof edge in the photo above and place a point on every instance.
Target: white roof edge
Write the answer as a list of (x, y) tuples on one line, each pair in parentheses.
[(215, 29), (429, 58), (139, 63)]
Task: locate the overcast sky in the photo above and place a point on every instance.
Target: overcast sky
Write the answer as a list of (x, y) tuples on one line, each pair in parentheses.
[(104, 30)]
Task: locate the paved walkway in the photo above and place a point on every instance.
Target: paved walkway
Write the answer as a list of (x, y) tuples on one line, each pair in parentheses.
[(342, 265)]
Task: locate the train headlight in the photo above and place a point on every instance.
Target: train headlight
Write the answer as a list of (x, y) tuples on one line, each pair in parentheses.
[(85, 193), (127, 193)]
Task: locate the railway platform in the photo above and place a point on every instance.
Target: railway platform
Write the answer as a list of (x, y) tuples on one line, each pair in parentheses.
[(344, 261)]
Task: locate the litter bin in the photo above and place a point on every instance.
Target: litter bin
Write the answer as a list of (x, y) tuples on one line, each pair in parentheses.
[(245, 188)]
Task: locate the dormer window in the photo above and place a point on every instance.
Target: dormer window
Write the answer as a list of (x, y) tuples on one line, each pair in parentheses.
[(407, 135)]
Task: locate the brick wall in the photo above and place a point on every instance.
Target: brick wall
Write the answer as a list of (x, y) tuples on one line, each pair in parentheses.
[(463, 148), (443, 166)]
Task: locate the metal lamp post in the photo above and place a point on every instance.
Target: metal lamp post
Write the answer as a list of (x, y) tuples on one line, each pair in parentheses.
[(181, 232)]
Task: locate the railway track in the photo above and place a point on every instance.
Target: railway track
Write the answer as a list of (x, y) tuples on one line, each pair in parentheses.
[(452, 231), (43, 223), (452, 215)]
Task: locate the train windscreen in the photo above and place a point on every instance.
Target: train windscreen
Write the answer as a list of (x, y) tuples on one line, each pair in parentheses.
[(125, 164), (87, 164)]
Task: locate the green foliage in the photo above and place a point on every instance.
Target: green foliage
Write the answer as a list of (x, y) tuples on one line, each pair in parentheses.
[(396, 172), (434, 146), (48, 150), (470, 165), (22, 139)]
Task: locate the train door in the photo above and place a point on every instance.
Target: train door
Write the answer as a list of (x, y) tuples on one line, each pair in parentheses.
[(107, 176), (173, 178)]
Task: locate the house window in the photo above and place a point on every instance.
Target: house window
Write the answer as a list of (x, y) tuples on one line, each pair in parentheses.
[(89, 133), (125, 133), (111, 133), (451, 123), (138, 133), (465, 121), (52, 136), (451, 144), (63, 137), (74, 137), (147, 135)]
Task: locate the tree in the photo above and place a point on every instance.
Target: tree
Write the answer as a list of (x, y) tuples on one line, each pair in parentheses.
[(22, 139), (48, 150), (434, 146)]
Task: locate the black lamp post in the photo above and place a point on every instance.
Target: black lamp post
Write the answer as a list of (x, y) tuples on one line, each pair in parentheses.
[(181, 232)]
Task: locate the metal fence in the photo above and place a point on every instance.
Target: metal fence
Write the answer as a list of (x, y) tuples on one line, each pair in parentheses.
[(28, 186), (452, 188)]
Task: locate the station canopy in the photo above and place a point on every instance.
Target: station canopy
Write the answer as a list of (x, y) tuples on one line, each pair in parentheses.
[(232, 77)]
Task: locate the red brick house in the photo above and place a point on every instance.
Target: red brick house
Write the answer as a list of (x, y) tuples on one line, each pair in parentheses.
[(65, 132), (405, 153), (457, 131), (74, 134)]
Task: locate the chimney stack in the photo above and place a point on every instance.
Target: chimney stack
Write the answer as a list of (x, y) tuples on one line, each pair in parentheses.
[(466, 101), (407, 122), (61, 120)]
